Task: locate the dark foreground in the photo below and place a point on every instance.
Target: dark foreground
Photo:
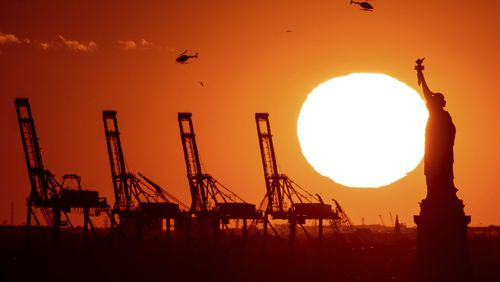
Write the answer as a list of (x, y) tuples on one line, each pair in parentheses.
[(377, 257)]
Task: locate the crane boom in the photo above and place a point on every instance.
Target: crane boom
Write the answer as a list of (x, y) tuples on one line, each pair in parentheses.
[(266, 145), (45, 189), (41, 191), (194, 173), (117, 163), (271, 175)]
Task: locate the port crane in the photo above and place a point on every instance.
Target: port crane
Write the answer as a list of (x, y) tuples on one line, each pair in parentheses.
[(210, 200), (139, 202), (344, 223), (284, 198), (48, 197)]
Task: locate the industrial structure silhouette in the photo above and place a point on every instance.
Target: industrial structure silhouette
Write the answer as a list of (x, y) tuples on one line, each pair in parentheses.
[(145, 217), (142, 208)]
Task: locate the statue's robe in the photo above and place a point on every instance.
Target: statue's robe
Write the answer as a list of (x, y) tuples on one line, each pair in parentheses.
[(438, 160)]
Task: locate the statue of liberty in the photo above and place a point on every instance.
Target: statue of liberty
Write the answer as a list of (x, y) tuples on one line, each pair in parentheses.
[(439, 141), (442, 248)]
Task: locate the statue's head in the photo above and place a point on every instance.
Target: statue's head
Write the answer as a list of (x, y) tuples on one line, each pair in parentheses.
[(438, 100)]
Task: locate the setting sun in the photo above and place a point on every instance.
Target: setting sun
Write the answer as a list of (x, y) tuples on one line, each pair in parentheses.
[(363, 130)]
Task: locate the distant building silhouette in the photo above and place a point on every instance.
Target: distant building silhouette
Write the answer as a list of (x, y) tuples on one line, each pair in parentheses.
[(397, 226)]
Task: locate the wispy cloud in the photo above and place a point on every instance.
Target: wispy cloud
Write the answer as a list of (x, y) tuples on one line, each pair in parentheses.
[(127, 44), (7, 38), (78, 46), (131, 44), (146, 43), (84, 47), (44, 45)]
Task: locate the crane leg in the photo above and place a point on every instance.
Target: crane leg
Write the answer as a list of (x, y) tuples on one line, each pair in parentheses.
[(56, 223), (264, 231), (168, 230), (113, 223), (85, 223), (293, 231), (28, 221), (245, 229), (320, 231)]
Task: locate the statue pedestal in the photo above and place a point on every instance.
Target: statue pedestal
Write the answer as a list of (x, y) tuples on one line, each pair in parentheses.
[(442, 250)]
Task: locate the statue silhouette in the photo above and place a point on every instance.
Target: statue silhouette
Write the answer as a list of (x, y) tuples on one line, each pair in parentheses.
[(439, 141), (442, 250)]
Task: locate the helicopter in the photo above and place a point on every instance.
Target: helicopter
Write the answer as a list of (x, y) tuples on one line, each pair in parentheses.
[(365, 6), (183, 57)]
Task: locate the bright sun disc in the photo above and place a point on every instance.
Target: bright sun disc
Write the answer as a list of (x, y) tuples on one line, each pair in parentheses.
[(363, 130)]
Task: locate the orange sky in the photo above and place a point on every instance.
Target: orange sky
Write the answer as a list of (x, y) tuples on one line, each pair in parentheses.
[(72, 66)]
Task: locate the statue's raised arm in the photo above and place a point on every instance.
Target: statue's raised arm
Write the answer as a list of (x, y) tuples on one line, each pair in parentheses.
[(421, 80)]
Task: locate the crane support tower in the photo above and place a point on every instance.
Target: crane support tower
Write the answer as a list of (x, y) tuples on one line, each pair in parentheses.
[(139, 202), (210, 200), (285, 199), (47, 196)]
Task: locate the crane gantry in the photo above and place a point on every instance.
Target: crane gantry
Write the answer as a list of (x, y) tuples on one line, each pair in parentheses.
[(138, 200), (48, 197), (284, 198), (210, 200)]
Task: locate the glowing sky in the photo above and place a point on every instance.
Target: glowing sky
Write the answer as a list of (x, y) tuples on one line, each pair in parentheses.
[(73, 59)]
